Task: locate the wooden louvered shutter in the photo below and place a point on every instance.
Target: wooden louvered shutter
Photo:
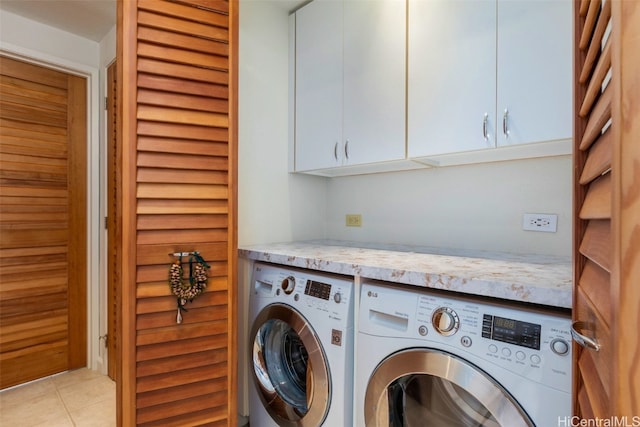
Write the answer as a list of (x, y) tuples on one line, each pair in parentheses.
[(593, 189), (607, 209), (178, 91)]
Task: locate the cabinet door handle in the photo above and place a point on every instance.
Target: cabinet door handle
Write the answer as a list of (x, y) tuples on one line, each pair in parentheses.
[(583, 340), (346, 149), (484, 126), (505, 124), (335, 151)]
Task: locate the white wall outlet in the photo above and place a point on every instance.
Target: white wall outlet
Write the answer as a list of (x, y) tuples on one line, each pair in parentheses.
[(540, 222)]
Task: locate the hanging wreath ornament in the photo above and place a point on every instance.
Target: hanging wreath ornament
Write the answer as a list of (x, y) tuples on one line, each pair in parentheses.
[(186, 290)]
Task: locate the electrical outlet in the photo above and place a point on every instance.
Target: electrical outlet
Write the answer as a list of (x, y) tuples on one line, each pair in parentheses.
[(354, 220), (540, 222)]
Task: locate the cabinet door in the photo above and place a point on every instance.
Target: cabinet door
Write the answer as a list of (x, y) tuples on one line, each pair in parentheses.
[(534, 70), (318, 85), (452, 69), (374, 80)]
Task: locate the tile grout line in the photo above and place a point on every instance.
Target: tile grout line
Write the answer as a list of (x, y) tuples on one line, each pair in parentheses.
[(64, 404)]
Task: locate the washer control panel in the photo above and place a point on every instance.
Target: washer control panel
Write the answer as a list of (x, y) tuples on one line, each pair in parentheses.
[(533, 343), (511, 331), (318, 289), (327, 295)]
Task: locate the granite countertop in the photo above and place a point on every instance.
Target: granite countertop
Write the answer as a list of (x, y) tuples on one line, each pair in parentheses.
[(538, 279)]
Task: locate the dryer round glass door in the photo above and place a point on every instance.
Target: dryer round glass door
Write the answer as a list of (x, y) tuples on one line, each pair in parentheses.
[(430, 388), (289, 367)]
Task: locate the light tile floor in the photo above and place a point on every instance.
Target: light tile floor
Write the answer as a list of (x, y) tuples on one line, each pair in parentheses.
[(80, 398)]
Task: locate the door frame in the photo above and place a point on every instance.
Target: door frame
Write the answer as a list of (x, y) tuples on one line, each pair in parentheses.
[(96, 352)]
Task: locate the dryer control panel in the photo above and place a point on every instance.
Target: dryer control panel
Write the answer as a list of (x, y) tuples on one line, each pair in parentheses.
[(533, 343)]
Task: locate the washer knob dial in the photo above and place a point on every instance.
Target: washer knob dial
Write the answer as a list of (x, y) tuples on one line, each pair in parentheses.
[(445, 321), (288, 285), (337, 297), (559, 346)]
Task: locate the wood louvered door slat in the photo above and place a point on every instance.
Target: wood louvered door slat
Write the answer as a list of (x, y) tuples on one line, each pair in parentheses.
[(606, 212), (593, 211), (177, 86), (42, 222)]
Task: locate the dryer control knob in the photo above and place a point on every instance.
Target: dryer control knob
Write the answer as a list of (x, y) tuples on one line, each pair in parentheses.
[(288, 285), (445, 321), (337, 297), (560, 346)]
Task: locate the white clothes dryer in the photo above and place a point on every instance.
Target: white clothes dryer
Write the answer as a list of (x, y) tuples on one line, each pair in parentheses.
[(435, 359), (301, 345)]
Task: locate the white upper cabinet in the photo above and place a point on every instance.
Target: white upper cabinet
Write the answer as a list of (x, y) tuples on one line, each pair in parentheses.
[(318, 87), (484, 74), (452, 76), (535, 83), (350, 83)]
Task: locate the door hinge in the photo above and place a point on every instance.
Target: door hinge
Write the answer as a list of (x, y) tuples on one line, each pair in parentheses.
[(106, 102), (105, 337), (106, 222)]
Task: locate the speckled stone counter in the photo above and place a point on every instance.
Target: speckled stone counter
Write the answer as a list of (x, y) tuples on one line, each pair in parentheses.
[(534, 279)]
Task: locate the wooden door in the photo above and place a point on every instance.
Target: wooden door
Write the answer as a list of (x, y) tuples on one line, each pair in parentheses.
[(43, 222), (177, 103), (607, 210)]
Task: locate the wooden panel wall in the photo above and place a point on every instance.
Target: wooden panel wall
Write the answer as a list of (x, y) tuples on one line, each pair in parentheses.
[(177, 83)]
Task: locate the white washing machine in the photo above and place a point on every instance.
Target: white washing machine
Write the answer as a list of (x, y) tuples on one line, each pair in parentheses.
[(426, 358), (301, 345)]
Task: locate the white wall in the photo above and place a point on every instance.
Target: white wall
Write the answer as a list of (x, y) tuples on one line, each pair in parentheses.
[(46, 42), (473, 206), (273, 205)]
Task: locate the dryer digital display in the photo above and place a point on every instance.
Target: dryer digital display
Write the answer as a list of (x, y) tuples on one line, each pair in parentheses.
[(511, 331), (318, 289)]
